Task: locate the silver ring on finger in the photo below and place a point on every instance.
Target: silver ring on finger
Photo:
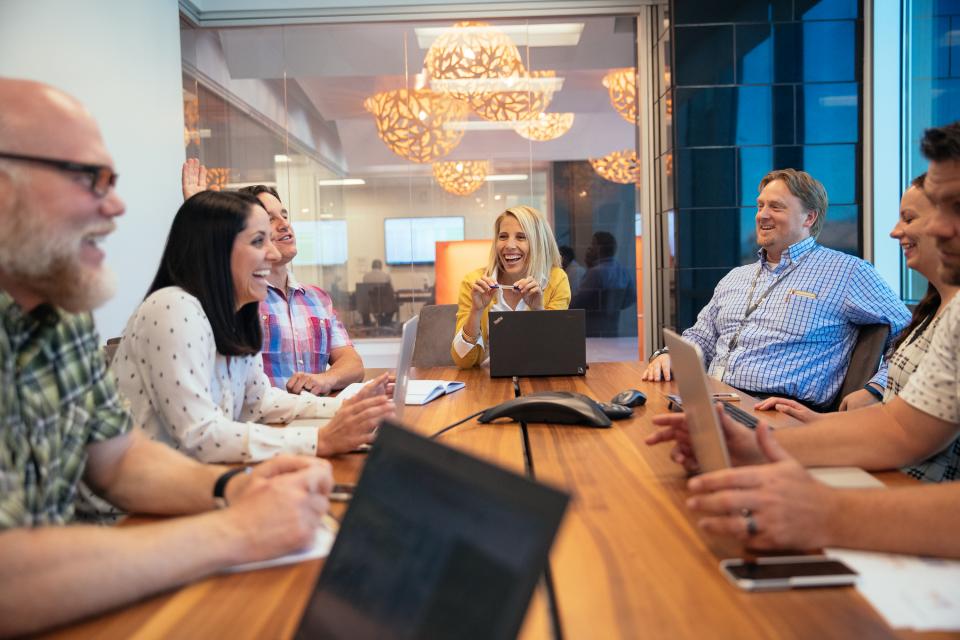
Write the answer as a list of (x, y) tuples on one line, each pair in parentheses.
[(750, 522)]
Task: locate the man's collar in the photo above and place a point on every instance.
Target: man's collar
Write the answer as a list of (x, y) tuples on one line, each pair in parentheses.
[(793, 253), (292, 283), (44, 314)]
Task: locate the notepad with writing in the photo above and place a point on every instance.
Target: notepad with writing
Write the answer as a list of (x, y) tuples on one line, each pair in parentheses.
[(418, 391)]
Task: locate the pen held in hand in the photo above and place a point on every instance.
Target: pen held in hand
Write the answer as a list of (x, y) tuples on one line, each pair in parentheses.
[(515, 287)]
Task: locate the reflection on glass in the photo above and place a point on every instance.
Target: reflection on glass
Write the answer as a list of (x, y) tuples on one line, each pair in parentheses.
[(381, 138)]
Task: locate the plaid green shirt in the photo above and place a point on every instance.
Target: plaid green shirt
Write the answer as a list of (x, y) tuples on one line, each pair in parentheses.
[(55, 399)]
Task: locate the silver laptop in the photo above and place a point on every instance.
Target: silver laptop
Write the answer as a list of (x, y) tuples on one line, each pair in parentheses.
[(407, 342), (706, 435)]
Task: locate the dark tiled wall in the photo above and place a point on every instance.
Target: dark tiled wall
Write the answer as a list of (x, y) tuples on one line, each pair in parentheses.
[(759, 85)]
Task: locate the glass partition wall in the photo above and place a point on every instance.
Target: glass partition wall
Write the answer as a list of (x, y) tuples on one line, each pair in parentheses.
[(395, 146)]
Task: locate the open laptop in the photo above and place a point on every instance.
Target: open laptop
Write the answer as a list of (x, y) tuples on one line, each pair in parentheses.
[(538, 343), (706, 436), (435, 544), (408, 341)]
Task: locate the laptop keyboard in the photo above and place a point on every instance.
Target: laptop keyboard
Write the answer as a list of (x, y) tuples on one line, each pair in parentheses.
[(740, 415)]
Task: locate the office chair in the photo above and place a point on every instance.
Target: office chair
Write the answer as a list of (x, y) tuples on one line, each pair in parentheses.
[(377, 300), (438, 322), (864, 360)]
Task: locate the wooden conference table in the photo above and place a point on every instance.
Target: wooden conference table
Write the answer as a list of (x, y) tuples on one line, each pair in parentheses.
[(628, 561)]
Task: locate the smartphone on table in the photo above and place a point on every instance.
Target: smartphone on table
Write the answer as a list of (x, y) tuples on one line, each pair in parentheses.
[(787, 572)]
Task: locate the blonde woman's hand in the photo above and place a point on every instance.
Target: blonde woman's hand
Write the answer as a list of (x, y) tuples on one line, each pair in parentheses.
[(482, 292), (530, 291)]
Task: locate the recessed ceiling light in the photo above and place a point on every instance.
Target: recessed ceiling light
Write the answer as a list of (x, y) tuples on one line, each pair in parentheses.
[(281, 157), (506, 177), (558, 34), (341, 182)]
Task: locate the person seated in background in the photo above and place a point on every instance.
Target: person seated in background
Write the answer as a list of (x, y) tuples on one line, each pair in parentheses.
[(189, 360), (523, 273), (920, 254), (63, 420), (606, 287), (305, 345), (787, 325), (771, 502), (573, 269), (377, 275)]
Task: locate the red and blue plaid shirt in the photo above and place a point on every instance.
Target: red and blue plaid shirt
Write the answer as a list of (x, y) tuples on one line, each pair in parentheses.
[(299, 331)]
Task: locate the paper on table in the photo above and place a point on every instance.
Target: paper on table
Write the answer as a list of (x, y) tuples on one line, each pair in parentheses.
[(418, 391), (320, 548), (908, 591), (845, 478)]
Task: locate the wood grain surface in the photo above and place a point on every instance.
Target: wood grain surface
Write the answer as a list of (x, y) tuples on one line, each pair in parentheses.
[(629, 560)]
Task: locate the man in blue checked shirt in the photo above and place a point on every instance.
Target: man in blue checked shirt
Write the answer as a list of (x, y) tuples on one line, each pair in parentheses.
[(787, 324)]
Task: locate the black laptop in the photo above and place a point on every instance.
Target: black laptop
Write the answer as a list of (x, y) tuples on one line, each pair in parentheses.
[(435, 544), (538, 343)]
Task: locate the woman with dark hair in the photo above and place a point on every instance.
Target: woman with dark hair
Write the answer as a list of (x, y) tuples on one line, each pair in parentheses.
[(920, 253), (189, 361)]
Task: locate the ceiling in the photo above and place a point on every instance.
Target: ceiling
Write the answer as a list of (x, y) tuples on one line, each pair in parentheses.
[(338, 66)]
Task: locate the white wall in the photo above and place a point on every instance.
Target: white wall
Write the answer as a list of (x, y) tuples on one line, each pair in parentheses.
[(122, 59)]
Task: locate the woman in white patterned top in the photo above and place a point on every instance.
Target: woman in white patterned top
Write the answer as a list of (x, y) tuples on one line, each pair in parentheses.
[(189, 360), (920, 253)]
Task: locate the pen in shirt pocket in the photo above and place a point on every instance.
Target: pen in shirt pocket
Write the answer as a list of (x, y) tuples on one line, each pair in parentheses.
[(798, 292)]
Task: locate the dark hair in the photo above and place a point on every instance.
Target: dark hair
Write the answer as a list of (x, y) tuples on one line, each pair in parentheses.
[(927, 307), (566, 253), (941, 143), (376, 264), (605, 243), (196, 258), (257, 189)]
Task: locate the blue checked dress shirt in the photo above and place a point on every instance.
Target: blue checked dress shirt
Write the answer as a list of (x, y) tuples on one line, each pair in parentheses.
[(799, 339)]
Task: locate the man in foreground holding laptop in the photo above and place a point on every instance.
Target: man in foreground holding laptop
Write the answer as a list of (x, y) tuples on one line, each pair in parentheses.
[(61, 417), (788, 324), (772, 502)]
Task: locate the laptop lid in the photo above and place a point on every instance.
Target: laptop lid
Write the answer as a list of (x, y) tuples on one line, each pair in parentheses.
[(706, 435), (408, 340), (435, 544), (538, 343)]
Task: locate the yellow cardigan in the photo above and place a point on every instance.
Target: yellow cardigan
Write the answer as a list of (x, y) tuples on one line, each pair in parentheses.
[(556, 296)]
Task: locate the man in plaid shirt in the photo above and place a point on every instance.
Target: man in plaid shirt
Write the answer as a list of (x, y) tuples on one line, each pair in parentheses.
[(61, 418), (770, 501), (305, 346)]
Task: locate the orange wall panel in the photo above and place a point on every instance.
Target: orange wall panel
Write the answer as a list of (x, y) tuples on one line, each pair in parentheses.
[(454, 260)]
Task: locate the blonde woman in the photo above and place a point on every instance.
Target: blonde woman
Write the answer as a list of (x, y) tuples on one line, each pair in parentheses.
[(523, 273)]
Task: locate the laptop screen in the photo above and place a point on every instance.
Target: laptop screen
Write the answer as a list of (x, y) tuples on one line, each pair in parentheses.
[(435, 544)]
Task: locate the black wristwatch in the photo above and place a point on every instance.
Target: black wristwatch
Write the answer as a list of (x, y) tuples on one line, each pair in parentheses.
[(876, 393), (658, 353), (220, 486)]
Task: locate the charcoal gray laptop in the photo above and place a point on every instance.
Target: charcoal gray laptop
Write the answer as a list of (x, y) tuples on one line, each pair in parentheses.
[(538, 343), (435, 544)]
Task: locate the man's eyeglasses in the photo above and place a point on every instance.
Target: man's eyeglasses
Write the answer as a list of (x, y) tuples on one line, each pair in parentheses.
[(101, 178)]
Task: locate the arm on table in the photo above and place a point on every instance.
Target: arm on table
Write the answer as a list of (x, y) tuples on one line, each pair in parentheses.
[(346, 366), (792, 510), (51, 575)]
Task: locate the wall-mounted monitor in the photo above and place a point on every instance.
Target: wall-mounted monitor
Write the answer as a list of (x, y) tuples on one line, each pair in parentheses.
[(413, 240), (321, 242)]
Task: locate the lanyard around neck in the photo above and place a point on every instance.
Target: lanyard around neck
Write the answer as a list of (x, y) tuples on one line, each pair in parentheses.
[(753, 306)]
